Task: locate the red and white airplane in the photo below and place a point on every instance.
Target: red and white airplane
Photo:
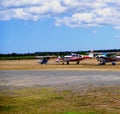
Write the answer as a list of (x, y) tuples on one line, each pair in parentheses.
[(113, 58), (73, 57)]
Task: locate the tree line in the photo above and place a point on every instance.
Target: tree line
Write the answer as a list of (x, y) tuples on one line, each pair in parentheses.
[(19, 56)]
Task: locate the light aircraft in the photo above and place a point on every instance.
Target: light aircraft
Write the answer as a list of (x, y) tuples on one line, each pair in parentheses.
[(110, 57), (44, 59), (73, 57)]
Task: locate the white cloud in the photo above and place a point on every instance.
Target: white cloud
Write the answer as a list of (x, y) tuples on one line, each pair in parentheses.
[(29, 10), (71, 13), (93, 13)]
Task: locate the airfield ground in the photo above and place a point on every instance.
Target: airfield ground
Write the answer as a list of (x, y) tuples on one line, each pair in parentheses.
[(90, 64), (27, 87)]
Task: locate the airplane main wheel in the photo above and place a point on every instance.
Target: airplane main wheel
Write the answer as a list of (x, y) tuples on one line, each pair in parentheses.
[(78, 62), (113, 63), (101, 63), (67, 63)]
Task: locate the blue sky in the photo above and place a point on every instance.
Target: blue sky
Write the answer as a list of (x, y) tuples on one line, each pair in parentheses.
[(59, 25)]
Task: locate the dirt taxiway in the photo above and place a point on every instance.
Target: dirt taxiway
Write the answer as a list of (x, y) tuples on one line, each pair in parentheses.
[(56, 78)]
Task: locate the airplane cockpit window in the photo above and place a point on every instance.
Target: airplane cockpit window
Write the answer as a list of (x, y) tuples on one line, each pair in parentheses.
[(74, 55), (111, 55)]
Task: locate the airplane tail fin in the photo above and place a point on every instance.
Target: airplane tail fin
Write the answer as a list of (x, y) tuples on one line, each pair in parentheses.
[(91, 54)]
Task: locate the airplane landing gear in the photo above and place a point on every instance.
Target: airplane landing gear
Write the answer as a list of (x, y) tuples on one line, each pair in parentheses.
[(78, 62), (101, 63), (67, 62), (113, 63)]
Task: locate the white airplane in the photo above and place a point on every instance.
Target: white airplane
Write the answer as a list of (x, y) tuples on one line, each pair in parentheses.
[(73, 57)]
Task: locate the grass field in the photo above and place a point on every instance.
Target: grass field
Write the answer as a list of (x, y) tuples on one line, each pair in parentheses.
[(52, 65), (44, 100)]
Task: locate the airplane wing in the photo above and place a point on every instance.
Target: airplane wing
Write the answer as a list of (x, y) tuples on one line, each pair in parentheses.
[(44, 59), (40, 57)]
